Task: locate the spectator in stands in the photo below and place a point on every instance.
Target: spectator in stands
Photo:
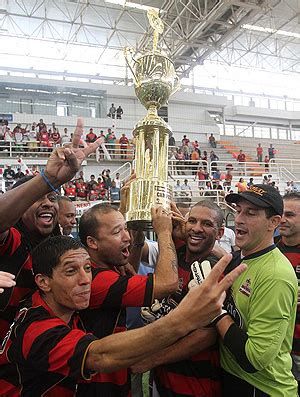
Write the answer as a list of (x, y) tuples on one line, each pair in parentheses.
[(114, 192), (204, 157), (185, 141), (44, 140), (186, 190), (34, 170), (41, 125), (177, 189), (54, 128), (201, 175), (70, 190), (91, 136), (55, 137), (111, 140), (288, 188), (119, 112), (91, 182), (250, 183), (117, 180), (259, 151), (124, 142), (81, 190), (212, 141), (19, 174), (266, 161), (241, 185), (273, 184), (107, 182), (65, 138), (241, 159), (172, 141), (228, 179), (195, 145), (9, 176), (179, 163), (112, 111), (213, 160), (94, 193), (271, 152), (80, 176), (216, 175), (186, 152)]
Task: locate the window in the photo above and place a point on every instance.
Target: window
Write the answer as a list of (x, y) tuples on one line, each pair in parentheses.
[(61, 108), (26, 106), (92, 107)]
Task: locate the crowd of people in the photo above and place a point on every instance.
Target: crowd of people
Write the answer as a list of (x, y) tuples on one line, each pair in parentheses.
[(63, 300)]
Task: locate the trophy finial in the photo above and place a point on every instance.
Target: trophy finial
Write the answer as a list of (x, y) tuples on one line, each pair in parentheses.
[(157, 24)]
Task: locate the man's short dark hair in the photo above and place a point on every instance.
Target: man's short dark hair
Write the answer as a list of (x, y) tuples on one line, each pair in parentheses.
[(212, 206), (46, 255), (90, 220), (64, 198), (292, 196)]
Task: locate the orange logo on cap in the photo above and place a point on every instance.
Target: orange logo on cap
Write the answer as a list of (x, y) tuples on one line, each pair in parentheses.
[(256, 190)]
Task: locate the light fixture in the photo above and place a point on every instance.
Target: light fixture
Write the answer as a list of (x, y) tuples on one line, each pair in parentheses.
[(131, 4), (280, 32)]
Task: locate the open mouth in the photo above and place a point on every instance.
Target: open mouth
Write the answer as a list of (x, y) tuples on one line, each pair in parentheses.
[(46, 217), (240, 233), (195, 238), (125, 252)]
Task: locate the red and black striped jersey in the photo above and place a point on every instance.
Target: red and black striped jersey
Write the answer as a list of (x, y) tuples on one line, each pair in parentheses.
[(48, 352), (293, 255), (15, 258), (110, 295), (200, 374)]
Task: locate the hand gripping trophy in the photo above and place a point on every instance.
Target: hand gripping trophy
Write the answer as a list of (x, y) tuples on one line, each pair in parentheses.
[(155, 80)]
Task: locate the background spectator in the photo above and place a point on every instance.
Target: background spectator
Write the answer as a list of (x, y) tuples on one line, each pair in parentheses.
[(91, 136), (112, 111), (259, 151), (271, 152), (119, 112), (212, 141)]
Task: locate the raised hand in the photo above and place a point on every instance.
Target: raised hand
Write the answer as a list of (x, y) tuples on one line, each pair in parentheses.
[(161, 220), (64, 162), (6, 281)]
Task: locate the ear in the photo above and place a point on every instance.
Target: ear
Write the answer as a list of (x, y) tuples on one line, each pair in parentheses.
[(43, 282), (92, 242), (275, 221), (220, 233)]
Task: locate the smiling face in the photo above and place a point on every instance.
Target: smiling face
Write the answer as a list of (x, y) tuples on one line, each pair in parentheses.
[(41, 217), (289, 227), (69, 287), (201, 231), (110, 246), (254, 231)]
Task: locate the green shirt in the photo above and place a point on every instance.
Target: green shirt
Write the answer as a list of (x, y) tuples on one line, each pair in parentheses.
[(263, 303)]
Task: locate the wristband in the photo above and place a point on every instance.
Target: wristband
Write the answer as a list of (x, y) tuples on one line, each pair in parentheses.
[(48, 182), (218, 318)]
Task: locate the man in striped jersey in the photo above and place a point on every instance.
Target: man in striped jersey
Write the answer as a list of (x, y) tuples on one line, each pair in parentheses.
[(289, 245), (49, 346)]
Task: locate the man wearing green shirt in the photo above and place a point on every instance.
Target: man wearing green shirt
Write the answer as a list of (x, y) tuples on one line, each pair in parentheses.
[(256, 327)]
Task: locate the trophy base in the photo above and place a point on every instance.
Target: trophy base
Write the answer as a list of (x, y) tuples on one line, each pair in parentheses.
[(143, 195)]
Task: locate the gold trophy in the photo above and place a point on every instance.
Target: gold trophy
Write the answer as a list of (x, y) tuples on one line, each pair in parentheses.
[(155, 80)]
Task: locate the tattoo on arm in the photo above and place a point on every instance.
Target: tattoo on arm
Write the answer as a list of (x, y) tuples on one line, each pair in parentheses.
[(174, 263)]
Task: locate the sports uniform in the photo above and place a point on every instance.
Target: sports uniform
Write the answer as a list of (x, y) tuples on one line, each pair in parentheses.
[(293, 255), (111, 294), (49, 353), (262, 302), (198, 375)]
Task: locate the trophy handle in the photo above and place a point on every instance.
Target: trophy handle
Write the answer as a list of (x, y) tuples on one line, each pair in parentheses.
[(176, 84), (128, 61)]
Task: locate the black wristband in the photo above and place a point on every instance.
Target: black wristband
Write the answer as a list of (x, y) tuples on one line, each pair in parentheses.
[(214, 322)]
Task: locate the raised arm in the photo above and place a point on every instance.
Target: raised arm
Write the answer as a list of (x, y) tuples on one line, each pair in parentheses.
[(201, 305), (62, 165)]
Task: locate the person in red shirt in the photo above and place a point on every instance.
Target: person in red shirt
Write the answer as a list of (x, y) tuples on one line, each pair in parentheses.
[(70, 191), (185, 141), (123, 141), (55, 137), (44, 140), (259, 151), (241, 158), (81, 189), (91, 136)]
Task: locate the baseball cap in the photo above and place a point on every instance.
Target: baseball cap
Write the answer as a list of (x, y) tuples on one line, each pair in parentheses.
[(263, 196)]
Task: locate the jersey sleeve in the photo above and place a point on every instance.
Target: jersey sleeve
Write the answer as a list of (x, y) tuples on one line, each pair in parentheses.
[(270, 312), (11, 243), (109, 289), (51, 346)]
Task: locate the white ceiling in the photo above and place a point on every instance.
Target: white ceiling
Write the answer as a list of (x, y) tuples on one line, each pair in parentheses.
[(87, 37)]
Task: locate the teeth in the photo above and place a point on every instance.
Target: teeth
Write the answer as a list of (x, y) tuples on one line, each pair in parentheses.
[(46, 215)]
